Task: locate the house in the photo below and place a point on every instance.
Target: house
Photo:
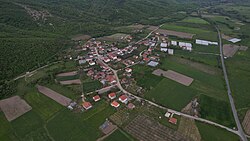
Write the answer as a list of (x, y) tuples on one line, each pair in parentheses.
[(153, 63), (174, 43), (91, 63), (106, 59), (123, 98), (131, 106), (115, 104), (86, 105), (128, 70), (164, 45), (172, 120), (111, 79), (96, 98), (112, 56), (146, 59), (112, 95)]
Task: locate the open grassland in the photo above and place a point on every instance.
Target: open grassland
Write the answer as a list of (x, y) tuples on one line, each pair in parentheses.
[(200, 33), (66, 91), (212, 133), (91, 86), (216, 110), (119, 135)]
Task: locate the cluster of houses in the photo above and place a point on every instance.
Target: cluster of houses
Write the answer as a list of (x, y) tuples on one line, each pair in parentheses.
[(171, 118), (115, 101)]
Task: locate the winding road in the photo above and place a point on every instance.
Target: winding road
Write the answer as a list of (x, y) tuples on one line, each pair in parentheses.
[(229, 92)]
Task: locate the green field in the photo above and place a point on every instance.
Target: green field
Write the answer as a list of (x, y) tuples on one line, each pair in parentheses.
[(119, 135), (211, 133), (91, 86), (171, 94), (200, 33), (216, 110), (194, 20), (65, 78)]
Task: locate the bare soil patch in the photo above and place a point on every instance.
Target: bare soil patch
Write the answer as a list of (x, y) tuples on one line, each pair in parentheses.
[(230, 50), (114, 37), (72, 73), (189, 129), (54, 95), (175, 76), (137, 26), (80, 37), (14, 107), (175, 33), (198, 66), (145, 128), (152, 28), (246, 122), (71, 82)]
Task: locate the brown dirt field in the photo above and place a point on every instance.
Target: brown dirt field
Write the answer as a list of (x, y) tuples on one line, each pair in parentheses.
[(71, 82), (145, 128), (189, 129), (114, 37), (246, 122), (137, 26), (230, 50), (152, 28), (226, 37), (80, 37), (201, 67), (54, 95), (14, 107), (175, 33), (243, 48), (72, 73), (175, 76)]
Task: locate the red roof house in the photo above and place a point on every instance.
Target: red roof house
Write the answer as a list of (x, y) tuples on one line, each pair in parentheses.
[(96, 98), (111, 79), (123, 98), (172, 120), (112, 95), (115, 104), (87, 105)]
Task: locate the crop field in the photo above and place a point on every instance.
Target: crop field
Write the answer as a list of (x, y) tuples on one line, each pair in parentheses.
[(175, 33), (200, 33), (119, 135), (246, 122), (230, 50), (64, 90), (71, 73), (204, 83), (189, 129), (216, 110), (171, 94), (71, 82), (147, 129), (194, 20), (54, 95), (212, 133), (114, 37), (14, 107)]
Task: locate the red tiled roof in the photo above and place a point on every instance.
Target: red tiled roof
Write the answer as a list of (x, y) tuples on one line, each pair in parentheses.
[(172, 120), (112, 95), (96, 98), (115, 104), (87, 105), (123, 97)]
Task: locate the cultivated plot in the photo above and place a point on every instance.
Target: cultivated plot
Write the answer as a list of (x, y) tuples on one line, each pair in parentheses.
[(246, 122), (175, 76), (72, 73), (14, 107), (175, 33), (54, 95), (147, 129), (230, 50), (70, 82)]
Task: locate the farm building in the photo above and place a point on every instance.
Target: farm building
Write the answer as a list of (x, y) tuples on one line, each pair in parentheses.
[(186, 46), (164, 49), (86, 105), (234, 40), (153, 63), (115, 104), (123, 99), (171, 51), (112, 96), (107, 127), (174, 43), (164, 45), (96, 98), (204, 42), (82, 62)]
